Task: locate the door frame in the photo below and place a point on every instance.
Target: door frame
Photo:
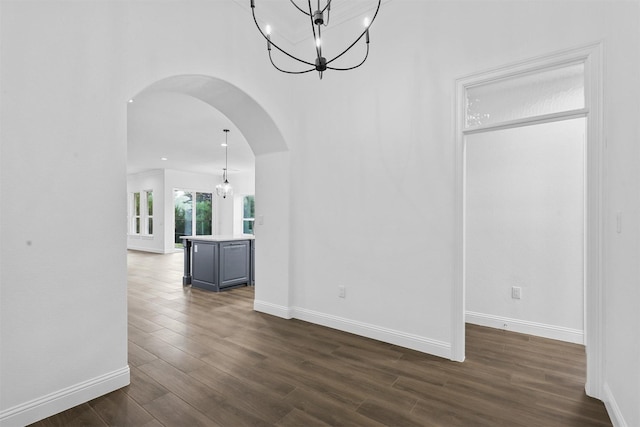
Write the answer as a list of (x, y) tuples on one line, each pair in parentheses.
[(591, 57)]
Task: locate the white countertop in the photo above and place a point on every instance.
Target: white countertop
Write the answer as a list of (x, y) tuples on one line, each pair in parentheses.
[(221, 238)]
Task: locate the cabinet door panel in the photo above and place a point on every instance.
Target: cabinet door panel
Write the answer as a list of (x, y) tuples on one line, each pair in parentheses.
[(234, 263), (204, 256)]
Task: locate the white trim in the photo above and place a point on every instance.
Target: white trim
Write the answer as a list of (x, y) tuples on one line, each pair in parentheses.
[(529, 121), (61, 400), (612, 407), (458, 294), (391, 336), (554, 332), (591, 56), (272, 309), (145, 249), (403, 339), (594, 320)]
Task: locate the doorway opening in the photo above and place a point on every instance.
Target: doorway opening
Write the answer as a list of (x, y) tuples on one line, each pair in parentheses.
[(524, 229), (503, 109), (270, 151)]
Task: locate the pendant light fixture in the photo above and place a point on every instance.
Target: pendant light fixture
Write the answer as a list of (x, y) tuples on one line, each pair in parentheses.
[(318, 18), (225, 189)]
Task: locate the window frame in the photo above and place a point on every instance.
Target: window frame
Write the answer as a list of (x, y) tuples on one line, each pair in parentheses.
[(140, 216), (194, 209), (251, 220)]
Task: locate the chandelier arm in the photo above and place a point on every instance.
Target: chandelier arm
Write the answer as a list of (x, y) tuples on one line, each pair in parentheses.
[(288, 72), (355, 66), (327, 6), (358, 39), (328, 9), (348, 48), (318, 51), (299, 8), (275, 45)]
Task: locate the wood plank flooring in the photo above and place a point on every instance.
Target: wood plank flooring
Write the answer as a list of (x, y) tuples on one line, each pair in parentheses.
[(199, 358)]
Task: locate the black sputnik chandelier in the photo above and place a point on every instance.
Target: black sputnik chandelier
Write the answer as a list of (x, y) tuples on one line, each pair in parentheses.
[(318, 18)]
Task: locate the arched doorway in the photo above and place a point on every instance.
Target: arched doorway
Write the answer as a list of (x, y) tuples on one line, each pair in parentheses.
[(271, 176)]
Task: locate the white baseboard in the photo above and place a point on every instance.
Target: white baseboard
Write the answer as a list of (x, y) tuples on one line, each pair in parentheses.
[(403, 339), (612, 408), (561, 333), (146, 249), (61, 400), (272, 309)]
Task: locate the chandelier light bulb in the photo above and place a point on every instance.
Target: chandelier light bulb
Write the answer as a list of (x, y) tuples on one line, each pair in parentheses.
[(318, 42), (267, 29), (366, 22)]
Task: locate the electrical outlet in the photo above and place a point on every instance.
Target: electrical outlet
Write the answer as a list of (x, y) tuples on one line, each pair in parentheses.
[(342, 291), (516, 292)]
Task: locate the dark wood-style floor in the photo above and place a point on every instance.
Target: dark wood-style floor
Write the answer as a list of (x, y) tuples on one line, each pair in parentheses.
[(199, 358)]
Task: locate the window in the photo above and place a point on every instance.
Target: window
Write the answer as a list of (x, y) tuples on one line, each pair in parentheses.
[(248, 214), (547, 92), (193, 214), (204, 214), (136, 214), (142, 213), (149, 212)]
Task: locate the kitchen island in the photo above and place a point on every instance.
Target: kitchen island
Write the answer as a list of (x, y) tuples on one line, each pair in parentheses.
[(218, 263)]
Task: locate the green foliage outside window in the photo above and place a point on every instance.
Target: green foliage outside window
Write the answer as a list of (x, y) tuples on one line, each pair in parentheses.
[(192, 218), (248, 215), (204, 214), (150, 203)]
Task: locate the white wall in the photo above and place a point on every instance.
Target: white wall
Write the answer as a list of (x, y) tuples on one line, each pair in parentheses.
[(63, 307), (273, 235), (525, 228), (67, 70), (150, 180), (369, 170), (372, 193), (622, 195)]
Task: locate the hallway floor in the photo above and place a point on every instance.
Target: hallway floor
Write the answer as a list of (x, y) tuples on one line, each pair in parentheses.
[(199, 358)]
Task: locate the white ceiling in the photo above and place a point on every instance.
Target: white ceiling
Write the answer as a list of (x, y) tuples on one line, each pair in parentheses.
[(185, 130)]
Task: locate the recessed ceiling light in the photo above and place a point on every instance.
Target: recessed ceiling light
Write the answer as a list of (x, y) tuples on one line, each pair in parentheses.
[(163, 158), (130, 101), (224, 144)]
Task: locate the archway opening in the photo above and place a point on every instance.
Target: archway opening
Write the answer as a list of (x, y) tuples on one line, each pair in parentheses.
[(266, 142)]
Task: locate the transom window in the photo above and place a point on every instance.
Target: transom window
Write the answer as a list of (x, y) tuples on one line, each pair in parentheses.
[(513, 99)]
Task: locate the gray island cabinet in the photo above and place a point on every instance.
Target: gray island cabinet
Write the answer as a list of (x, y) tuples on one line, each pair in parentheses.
[(216, 263)]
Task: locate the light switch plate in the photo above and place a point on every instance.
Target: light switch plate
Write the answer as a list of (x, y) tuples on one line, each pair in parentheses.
[(342, 291), (516, 292)]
